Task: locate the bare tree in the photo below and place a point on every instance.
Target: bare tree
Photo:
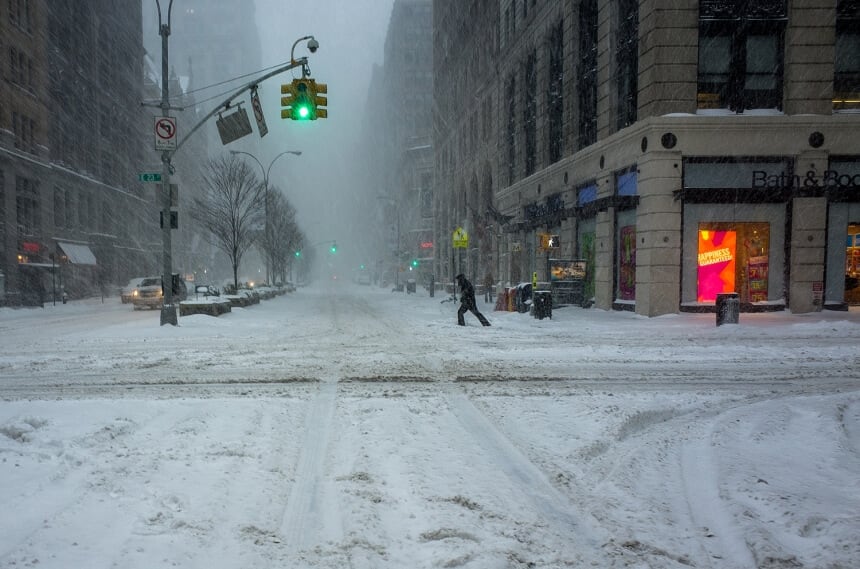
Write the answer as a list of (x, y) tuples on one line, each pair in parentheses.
[(284, 233), (231, 208)]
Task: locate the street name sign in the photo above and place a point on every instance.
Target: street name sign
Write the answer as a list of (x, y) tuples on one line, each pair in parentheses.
[(149, 177)]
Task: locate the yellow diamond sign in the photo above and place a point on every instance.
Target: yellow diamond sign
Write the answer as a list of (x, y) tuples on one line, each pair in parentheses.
[(460, 239)]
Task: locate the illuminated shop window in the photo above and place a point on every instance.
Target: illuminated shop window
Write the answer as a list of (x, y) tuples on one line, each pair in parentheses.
[(733, 257)]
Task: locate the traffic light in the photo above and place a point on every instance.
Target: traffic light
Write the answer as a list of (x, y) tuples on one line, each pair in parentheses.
[(299, 253), (298, 101), (415, 263), (333, 247), (320, 102), (554, 242)]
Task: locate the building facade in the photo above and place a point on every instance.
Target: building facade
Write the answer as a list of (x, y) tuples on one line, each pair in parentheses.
[(680, 149), (72, 212), (403, 148)]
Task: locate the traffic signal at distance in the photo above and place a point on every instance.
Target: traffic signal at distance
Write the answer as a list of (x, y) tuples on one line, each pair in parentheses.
[(333, 247), (298, 253)]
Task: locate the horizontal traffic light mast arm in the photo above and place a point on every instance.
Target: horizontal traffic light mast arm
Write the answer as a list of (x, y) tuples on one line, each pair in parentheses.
[(301, 62)]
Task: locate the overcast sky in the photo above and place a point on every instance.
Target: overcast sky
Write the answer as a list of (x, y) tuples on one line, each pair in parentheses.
[(351, 35)]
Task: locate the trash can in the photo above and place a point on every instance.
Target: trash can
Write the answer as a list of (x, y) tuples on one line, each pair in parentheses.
[(523, 297), (542, 304), (410, 286), (728, 308)]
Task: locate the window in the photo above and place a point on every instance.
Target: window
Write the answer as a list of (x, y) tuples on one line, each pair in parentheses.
[(586, 73), (627, 62), (426, 194), (59, 208), (555, 95), (530, 114), (511, 132), (19, 14), (846, 81), (741, 48), (27, 206)]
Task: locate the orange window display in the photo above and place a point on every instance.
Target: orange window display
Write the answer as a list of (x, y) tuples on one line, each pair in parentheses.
[(733, 258), (852, 265)]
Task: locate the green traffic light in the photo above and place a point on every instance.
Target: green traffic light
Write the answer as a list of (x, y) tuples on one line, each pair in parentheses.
[(298, 253), (303, 109), (414, 262)]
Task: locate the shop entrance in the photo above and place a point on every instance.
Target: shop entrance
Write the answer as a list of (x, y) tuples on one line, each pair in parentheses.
[(733, 257), (852, 265)]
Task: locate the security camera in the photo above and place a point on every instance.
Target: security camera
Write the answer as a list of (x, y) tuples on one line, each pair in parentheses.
[(313, 45)]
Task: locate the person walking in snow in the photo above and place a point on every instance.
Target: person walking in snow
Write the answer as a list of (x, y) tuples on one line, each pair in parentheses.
[(467, 301)]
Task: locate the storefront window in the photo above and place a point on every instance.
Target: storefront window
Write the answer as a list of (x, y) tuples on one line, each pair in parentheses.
[(733, 257), (586, 252), (852, 265), (627, 263)]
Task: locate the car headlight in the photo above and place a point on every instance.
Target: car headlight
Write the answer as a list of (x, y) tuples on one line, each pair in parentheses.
[(134, 292)]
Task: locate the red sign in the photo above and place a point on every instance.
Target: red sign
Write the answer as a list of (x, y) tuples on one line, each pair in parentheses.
[(30, 247), (426, 244)]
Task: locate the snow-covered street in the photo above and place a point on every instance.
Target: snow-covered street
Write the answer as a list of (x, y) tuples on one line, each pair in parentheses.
[(347, 426)]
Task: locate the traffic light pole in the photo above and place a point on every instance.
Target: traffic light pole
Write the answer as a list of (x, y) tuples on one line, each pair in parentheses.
[(168, 310)]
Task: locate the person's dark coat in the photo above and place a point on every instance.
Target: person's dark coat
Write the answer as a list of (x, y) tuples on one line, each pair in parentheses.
[(467, 301)]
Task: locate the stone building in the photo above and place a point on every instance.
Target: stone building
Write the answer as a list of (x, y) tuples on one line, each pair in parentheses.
[(680, 149), (72, 212)]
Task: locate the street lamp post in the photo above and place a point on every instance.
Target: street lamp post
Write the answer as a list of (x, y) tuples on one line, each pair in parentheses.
[(266, 172)]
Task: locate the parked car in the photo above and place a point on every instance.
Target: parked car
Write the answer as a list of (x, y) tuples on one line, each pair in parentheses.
[(206, 291), (129, 291)]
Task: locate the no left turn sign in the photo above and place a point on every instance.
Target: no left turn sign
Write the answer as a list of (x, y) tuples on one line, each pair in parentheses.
[(165, 133)]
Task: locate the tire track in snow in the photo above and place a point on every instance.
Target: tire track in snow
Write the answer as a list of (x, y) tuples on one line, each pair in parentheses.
[(701, 489), (307, 518), (529, 479)]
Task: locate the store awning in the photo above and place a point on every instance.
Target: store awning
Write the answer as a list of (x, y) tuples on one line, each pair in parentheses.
[(78, 254)]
